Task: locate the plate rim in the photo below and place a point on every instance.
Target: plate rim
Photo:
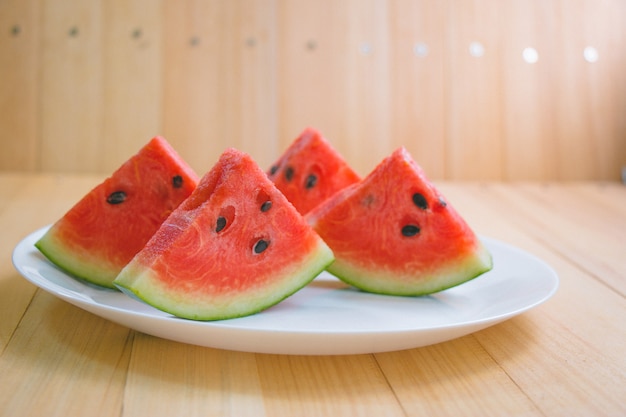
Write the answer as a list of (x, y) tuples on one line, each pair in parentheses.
[(25, 248)]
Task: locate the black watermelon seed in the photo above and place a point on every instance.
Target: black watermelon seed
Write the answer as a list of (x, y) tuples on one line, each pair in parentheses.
[(116, 197), (420, 201), (177, 181), (220, 224), (273, 169), (311, 180), (368, 200), (410, 230), (260, 246), (289, 173), (266, 206)]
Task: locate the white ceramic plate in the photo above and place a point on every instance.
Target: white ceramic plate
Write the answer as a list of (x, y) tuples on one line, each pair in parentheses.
[(326, 317)]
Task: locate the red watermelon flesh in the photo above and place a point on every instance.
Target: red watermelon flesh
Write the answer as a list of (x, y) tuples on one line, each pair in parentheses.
[(235, 247), (310, 171), (102, 232), (394, 233)]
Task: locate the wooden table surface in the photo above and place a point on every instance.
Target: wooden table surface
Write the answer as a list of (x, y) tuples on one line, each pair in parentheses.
[(566, 357)]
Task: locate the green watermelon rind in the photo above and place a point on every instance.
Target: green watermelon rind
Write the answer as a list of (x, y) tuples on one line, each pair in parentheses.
[(97, 267), (82, 266), (455, 273), (439, 262), (138, 282)]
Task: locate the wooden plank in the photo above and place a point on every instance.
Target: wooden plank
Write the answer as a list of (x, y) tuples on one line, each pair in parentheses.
[(553, 118), (597, 218), (334, 73), (310, 72), (573, 338), (580, 289), (15, 292), (591, 99), (22, 214), (132, 59), (610, 195), (325, 386), (557, 216), (441, 384), (367, 84), (71, 87), (19, 84), (604, 242), (168, 378), (192, 111), (85, 84), (575, 332), (219, 85), (531, 64), (10, 185), (417, 65), (474, 94), (248, 86), (63, 361)]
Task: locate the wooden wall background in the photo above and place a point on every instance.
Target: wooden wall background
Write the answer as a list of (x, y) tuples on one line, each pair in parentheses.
[(84, 84)]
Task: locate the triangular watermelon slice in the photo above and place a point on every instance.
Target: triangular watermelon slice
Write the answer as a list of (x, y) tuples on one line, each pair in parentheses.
[(394, 233), (235, 247), (310, 171), (101, 233)]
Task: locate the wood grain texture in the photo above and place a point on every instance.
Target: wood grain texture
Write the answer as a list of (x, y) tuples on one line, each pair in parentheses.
[(248, 86), (443, 369), (52, 359), (132, 58), (589, 98), (85, 83), (531, 90), (71, 87), (418, 33), (178, 379), (474, 93), (326, 385), (563, 357), (311, 71), (567, 326), (21, 199), (191, 80), (19, 84)]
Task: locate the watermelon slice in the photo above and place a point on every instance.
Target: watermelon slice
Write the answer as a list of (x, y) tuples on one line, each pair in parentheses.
[(102, 232), (394, 233), (235, 247), (310, 171)]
